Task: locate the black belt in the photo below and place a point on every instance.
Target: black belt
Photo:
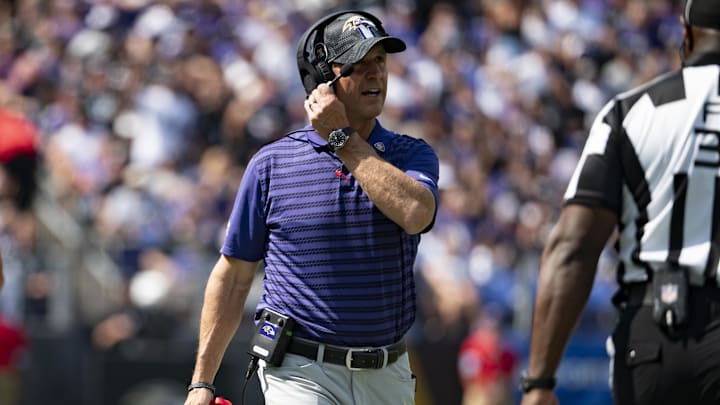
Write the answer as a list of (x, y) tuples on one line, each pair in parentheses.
[(702, 299), (354, 358)]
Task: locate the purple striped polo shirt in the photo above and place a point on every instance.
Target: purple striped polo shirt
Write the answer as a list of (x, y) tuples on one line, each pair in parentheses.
[(333, 261)]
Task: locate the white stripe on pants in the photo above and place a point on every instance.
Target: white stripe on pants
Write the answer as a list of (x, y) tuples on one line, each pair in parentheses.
[(301, 381)]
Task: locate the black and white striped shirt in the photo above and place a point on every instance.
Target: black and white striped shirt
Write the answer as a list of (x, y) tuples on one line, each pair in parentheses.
[(653, 156)]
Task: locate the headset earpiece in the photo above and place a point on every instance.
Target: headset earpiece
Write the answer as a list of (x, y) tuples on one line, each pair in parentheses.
[(324, 70)]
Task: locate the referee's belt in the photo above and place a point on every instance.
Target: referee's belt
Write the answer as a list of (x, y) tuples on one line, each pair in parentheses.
[(701, 299), (354, 358)]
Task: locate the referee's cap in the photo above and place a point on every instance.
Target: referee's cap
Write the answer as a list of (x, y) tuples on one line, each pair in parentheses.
[(703, 13)]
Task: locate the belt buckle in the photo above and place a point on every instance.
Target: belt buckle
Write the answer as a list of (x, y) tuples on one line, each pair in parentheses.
[(351, 350)]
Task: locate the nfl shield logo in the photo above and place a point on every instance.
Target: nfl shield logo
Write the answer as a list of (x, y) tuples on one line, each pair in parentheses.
[(669, 293)]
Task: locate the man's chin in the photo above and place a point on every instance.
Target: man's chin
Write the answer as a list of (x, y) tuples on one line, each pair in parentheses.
[(371, 111)]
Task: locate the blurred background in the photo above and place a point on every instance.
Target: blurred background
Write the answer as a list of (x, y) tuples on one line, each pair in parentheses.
[(125, 127)]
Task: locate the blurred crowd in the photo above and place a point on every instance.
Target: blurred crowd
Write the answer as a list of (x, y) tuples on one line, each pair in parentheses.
[(125, 127)]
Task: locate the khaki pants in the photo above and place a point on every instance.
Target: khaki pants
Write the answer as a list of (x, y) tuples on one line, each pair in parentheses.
[(302, 381)]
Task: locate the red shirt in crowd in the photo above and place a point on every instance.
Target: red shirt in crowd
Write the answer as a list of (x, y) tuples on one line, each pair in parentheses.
[(485, 359), (18, 136), (12, 343)]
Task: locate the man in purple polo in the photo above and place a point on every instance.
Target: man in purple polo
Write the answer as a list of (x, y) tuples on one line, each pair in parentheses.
[(335, 211)]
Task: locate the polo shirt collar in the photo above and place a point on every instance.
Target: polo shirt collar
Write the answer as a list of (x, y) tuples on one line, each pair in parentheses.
[(314, 138)]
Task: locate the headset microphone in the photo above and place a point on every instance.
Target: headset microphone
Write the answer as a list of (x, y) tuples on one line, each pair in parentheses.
[(345, 71)]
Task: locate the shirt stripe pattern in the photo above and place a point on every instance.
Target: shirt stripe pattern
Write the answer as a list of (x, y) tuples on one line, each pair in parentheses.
[(653, 156), (333, 261)]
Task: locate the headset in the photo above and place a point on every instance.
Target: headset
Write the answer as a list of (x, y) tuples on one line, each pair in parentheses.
[(312, 52)]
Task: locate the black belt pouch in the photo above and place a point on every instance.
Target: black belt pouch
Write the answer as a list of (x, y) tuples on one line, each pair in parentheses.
[(670, 296)]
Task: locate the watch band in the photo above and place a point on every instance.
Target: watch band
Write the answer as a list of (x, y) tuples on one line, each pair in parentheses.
[(348, 130), (528, 384)]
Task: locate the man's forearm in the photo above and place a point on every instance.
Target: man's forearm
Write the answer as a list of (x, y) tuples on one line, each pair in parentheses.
[(222, 311), (397, 195), (561, 296), (567, 273)]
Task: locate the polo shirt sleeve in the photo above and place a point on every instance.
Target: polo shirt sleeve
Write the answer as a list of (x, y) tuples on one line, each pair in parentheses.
[(424, 167), (246, 232)]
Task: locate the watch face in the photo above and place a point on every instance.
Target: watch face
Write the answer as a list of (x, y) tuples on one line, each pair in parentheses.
[(337, 139)]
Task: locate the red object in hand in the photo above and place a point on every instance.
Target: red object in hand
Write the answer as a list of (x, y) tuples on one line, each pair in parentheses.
[(221, 401)]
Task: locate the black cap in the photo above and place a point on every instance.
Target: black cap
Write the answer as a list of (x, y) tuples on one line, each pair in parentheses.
[(703, 13), (350, 37)]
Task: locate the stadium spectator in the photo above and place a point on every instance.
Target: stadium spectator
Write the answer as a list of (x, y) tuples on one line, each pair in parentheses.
[(486, 364), (18, 158), (13, 350)]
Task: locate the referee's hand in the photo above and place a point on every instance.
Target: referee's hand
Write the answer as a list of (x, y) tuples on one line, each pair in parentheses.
[(199, 396), (540, 397)]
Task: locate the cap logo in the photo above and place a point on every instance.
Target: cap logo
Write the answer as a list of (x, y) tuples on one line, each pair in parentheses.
[(362, 25)]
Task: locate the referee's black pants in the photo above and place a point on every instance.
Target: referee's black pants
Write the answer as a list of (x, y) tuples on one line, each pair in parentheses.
[(653, 366)]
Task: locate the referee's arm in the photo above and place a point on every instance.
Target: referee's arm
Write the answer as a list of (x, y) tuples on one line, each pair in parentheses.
[(567, 271)]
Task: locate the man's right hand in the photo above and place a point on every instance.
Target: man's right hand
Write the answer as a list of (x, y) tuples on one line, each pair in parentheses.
[(199, 396)]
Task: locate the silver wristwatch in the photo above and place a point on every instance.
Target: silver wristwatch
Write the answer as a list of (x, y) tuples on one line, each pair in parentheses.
[(339, 137)]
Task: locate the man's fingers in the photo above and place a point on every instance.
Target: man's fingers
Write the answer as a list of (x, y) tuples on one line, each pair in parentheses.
[(324, 88)]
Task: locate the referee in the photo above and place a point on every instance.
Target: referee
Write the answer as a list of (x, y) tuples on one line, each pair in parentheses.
[(651, 168)]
